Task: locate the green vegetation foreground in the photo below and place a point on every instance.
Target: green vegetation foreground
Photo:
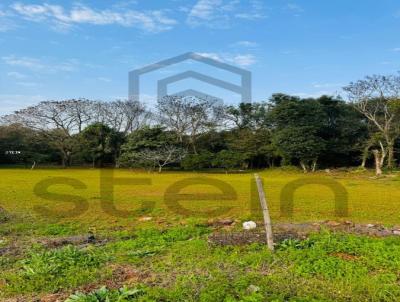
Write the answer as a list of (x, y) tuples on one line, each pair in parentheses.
[(370, 199), (160, 254)]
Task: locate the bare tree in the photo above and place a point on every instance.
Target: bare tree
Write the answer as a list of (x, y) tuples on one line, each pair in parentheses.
[(59, 121), (189, 116), (122, 116), (134, 114), (160, 157), (378, 99), (81, 111), (203, 114), (379, 156), (172, 111), (54, 120)]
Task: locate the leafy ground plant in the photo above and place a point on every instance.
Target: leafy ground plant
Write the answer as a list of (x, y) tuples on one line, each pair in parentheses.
[(105, 295), (51, 270), (173, 258)]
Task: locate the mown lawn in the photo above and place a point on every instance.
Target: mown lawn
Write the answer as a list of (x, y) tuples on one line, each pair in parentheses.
[(162, 250)]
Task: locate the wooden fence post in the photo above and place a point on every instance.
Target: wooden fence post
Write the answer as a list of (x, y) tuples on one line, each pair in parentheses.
[(264, 207)]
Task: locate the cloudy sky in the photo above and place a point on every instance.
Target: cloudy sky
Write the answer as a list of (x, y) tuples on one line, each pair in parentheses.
[(71, 49)]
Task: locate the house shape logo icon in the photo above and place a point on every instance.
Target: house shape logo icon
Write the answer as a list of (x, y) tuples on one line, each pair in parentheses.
[(244, 89)]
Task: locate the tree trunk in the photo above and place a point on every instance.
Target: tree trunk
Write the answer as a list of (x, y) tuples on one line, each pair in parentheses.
[(378, 162), (194, 147), (68, 159), (314, 164), (364, 162), (390, 163), (63, 160), (116, 161), (383, 154), (365, 156), (303, 165), (159, 169)]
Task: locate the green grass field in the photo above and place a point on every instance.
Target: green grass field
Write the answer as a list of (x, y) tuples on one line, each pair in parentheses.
[(168, 258)]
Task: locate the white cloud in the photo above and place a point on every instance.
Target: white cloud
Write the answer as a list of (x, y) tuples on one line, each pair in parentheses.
[(211, 55), (39, 65), (209, 13), (16, 75), (249, 44), (250, 16), (255, 11), (327, 85), (104, 79), (316, 94), (297, 9), (205, 9), (151, 21), (12, 102), (288, 52), (220, 13), (26, 62), (397, 49), (242, 60), (27, 84), (6, 24)]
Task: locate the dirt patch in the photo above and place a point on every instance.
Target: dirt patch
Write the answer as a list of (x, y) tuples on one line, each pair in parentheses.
[(80, 241), (13, 248), (121, 275), (345, 256), (221, 222), (16, 246), (299, 231), (4, 215)]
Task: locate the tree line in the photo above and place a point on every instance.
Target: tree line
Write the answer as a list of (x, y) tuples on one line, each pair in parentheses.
[(194, 134)]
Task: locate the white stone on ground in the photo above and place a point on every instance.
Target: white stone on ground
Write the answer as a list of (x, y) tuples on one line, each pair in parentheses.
[(249, 225)]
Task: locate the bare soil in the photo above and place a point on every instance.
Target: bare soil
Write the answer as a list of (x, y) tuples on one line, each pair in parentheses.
[(299, 231)]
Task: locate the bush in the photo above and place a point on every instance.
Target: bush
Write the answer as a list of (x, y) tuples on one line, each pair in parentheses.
[(105, 295), (51, 270), (229, 160), (200, 161)]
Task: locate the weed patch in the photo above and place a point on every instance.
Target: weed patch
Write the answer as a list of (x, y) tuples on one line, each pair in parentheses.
[(53, 270)]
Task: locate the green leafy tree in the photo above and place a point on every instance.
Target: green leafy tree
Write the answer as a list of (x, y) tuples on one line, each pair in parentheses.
[(301, 144), (151, 147), (22, 145), (297, 126), (100, 143), (247, 115), (202, 160), (255, 146), (344, 130), (228, 160), (377, 99)]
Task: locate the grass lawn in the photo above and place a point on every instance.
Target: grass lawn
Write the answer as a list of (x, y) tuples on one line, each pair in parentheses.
[(169, 258)]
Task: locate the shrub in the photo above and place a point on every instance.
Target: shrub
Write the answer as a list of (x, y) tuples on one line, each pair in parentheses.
[(105, 295), (52, 270)]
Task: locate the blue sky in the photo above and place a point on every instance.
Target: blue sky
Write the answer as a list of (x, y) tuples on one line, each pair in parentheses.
[(70, 49)]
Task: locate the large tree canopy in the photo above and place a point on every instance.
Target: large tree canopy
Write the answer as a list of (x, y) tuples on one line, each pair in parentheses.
[(378, 99), (194, 133)]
